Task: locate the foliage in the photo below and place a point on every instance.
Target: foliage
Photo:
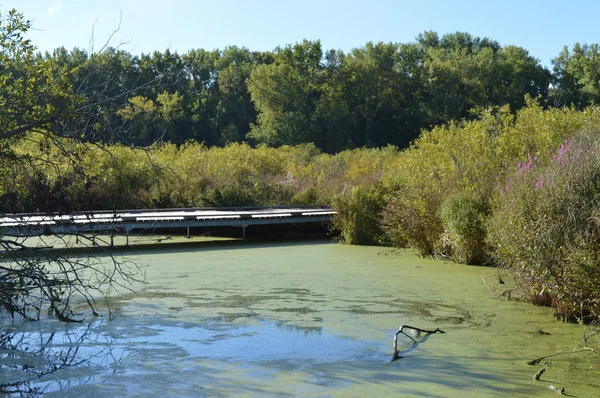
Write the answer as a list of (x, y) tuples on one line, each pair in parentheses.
[(470, 158), (451, 159), (190, 175), (464, 217), (410, 219), (358, 215), (375, 95), (33, 92), (466, 72), (577, 76), (44, 125), (284, 94), (545, 226)]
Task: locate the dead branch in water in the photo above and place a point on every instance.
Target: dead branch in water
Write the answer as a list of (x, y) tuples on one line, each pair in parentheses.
[(416, 333)]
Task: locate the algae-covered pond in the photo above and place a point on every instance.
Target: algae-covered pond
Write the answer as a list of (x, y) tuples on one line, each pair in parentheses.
[(299, 319)]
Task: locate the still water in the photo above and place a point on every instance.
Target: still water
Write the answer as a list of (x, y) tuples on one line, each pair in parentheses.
[(299, 319)]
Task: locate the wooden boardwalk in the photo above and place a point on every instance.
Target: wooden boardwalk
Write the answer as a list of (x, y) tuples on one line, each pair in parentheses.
[(122, 222)]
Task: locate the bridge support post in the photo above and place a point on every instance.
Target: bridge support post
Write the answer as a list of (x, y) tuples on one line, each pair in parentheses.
[(244, 231), (112, 238), (126, 237), (188, 233)]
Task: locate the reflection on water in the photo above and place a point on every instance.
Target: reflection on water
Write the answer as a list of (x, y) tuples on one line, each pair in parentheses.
[(46, 361), (43, 361), (294, 320)]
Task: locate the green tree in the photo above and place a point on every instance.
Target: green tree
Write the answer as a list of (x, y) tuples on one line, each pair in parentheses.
[(236, 111), (333, 109), (34, 93), (376, 90), (201, 95), (140, 112), (464, 73), (577, 76), (39, 106), (285, 94)]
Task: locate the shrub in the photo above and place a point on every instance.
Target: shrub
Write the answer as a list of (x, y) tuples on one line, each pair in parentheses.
[(458, 157), (464, 218), (545, 227), (306, 197), (411, 219), (470, 158), (358, 215)]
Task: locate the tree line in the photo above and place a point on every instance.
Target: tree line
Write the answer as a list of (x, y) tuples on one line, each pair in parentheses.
[(375, 95)]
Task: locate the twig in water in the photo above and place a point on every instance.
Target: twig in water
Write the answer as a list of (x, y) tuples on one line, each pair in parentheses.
[(486, 285), (538, 360), (561, 391), (539, 373), (415, 331)]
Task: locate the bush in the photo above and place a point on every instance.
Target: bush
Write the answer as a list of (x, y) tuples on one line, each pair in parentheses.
[(306, 197), (358, 215), (545, 226), (464, 218), (411, 219), (470, 158)]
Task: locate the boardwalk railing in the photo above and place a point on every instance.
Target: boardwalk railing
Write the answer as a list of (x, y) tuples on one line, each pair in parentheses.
[(124, 221)]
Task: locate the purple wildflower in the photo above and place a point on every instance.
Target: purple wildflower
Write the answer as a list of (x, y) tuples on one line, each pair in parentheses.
[(526, 167), (540, 183), (561, 152)]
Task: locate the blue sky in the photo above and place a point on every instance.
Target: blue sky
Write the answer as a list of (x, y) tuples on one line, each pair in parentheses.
[(542, 27)]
